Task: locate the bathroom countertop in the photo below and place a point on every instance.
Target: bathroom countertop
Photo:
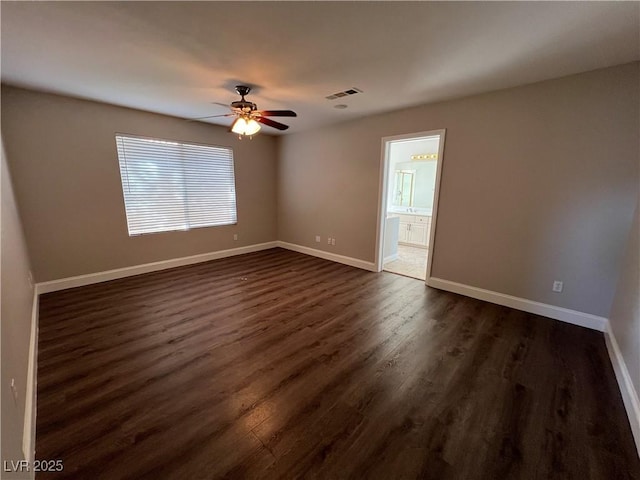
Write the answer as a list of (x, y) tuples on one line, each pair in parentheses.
[(421, 212)]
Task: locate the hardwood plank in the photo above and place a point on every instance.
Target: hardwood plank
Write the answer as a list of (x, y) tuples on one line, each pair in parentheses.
[(280, 365)]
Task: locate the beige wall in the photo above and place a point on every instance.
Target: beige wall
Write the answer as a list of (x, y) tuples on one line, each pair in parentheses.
[(539, 183), (625, 314), (17, 300), (66, 177)]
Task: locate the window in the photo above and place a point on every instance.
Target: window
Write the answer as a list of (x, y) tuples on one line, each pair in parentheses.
[(172, 186)]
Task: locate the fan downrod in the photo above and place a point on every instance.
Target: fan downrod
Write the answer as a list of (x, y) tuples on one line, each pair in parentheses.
[(243, 90)]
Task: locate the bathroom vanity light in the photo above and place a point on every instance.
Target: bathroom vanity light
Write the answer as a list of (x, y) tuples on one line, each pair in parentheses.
[(425, 156)]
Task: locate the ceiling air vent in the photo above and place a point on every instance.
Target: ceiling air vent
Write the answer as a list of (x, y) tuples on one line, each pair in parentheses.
[(351, 91)]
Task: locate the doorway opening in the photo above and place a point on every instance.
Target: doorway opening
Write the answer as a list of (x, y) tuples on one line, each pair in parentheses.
[(408, 202)]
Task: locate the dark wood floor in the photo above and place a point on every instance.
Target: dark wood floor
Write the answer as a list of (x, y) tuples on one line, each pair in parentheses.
[(281, 365)]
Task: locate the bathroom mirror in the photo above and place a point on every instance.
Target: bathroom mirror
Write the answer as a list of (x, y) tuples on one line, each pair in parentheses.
[(403, 188)]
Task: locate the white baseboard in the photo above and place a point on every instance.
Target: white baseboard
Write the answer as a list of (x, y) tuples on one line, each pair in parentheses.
[(334, 257), (628, 391), (557, 313), (82, 280), (29, 431)]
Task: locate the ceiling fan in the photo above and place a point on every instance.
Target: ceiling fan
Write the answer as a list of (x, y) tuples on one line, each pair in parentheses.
[(249, 118)]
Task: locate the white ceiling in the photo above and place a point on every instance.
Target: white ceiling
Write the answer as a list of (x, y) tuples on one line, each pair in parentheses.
[(177, 58)]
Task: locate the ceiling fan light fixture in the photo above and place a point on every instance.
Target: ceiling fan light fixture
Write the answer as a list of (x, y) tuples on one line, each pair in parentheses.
[(245, 126), (239, 126), (253, 127)]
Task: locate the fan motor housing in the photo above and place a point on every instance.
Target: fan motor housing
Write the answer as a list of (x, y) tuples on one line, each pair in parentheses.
[(244, 105)]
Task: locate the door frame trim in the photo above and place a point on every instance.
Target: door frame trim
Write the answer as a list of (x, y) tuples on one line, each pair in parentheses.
[(382, 194)]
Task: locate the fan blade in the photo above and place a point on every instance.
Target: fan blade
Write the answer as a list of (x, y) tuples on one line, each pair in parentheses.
[(272, 123), (225, 105), (276, 113), (210, 116)]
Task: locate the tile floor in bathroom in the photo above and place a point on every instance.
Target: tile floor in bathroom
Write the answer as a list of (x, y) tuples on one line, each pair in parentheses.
[(411, 262)]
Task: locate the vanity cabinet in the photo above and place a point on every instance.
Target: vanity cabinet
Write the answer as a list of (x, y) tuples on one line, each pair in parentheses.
[(414, 230)]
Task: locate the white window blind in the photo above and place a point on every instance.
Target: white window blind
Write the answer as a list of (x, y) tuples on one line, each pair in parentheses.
[(171, 186)]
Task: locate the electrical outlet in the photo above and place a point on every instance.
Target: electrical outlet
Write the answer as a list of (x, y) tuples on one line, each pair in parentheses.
[(328, 240), (557, 286), (235, 236), (317, 238), (14, 390), (333, 241)]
